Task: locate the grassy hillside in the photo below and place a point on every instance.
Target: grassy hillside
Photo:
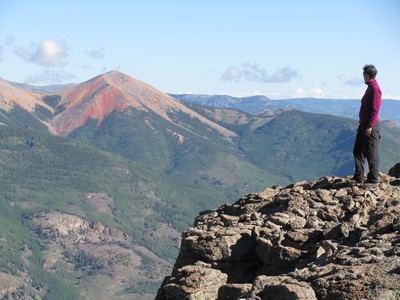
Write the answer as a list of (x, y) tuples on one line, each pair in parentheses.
[(390, 143), (21, 117), (269, 149), (191, 154), (302, 146), (43, 173), (299, 145)]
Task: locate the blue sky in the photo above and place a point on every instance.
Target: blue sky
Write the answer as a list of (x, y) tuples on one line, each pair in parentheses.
[(281, 49)]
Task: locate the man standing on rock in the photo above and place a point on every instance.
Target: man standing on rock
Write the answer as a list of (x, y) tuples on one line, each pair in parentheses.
[(368, 137)]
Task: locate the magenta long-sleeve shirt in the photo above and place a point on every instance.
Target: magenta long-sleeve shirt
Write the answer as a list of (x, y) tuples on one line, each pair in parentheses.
[(371, 103)]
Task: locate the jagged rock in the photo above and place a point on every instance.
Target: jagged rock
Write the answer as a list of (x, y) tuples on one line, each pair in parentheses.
[(196, 282), (234, 291), (395, 171), (281, 288), (328, 239)]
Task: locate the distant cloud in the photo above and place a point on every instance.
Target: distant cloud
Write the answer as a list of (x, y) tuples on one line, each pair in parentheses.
[(354, 81), (314, 92), (392, 96), (22, 52), (48, 53), (252, 72), (8, 42), (231, 74), (97, 54), (48, 77), (86, 66)]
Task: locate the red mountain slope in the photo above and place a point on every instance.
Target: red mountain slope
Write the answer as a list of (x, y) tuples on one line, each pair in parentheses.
[(115, 91)]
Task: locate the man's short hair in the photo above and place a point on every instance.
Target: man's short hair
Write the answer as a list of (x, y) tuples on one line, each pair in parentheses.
[(370, 70)]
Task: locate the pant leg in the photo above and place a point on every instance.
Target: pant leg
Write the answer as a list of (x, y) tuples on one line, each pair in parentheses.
[(358, 153), (372, 152)]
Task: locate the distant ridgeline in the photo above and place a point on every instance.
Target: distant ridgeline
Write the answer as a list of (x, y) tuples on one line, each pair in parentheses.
[(347, 108)]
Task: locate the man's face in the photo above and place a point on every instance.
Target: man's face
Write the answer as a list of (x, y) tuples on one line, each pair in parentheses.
[(366, 77)]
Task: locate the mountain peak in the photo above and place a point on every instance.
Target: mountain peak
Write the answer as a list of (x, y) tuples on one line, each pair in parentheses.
[(114, 73), (116, 91)]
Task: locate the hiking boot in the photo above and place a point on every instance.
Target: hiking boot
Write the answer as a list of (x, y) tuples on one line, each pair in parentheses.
[(358, 180), (370, 183)]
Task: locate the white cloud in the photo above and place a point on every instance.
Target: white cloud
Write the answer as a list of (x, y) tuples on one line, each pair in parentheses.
[(231, 74), (242, 94), (353, 82), (314, 92), (22, 52), (254, 73), (97, 54), (391, 96), (48, 52), (9, 40), (285, 74), (48, 77)]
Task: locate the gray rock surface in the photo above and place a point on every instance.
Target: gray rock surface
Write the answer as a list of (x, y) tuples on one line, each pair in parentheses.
[(328, 239)]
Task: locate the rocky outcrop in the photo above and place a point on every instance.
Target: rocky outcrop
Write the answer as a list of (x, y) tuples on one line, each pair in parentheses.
[(395, 171), (94, 250), (328, 239)]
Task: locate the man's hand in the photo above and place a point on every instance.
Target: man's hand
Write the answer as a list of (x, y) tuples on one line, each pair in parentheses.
[(368, 131)]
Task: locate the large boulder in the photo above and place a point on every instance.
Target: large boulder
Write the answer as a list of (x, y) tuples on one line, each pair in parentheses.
[(395, 171)]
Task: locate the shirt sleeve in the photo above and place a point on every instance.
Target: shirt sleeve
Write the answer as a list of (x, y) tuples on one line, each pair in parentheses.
[(375, 107)]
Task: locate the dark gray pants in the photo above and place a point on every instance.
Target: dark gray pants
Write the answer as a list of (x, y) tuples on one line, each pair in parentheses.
[(367, 148)]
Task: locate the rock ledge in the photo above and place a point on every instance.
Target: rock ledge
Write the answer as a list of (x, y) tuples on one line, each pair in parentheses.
[(328, 239)]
